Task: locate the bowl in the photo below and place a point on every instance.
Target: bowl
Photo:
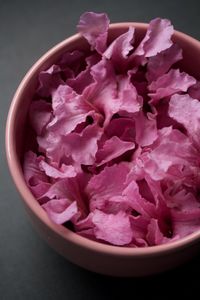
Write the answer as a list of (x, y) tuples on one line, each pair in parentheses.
[(91, 255)]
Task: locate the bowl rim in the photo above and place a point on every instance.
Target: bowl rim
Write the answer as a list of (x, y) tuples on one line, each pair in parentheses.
[(28, 198)]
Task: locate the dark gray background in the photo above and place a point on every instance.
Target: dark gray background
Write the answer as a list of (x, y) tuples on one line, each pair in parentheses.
[(29, 269)]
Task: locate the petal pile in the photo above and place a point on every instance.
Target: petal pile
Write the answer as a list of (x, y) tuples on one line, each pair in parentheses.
[(117, 138)]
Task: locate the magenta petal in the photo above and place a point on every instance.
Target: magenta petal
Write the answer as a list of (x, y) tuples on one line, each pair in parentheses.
[(84, 78), (120, 48), (40, 114), (49, 80), (146, 129), (178, 197), (159, 64), (64, 171), (83, 224), (101, 94), (94, 27), (157, 38), (72, 62), (185, 222), (60, 211), (115, 229), (83, 147), (168, 84), (186, 111), (106, 185), (194, 90), (154, 235), (128, 98), (124, 128), (69, 110), (112, 148), (58, 190), (172, 148), (36, 179), (139, 226), (137, 202)]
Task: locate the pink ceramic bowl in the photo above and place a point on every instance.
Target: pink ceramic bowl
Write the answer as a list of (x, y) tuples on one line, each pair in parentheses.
[(94, 256)]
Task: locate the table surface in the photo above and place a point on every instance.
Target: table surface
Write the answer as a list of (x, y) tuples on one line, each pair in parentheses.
[(29, 269)]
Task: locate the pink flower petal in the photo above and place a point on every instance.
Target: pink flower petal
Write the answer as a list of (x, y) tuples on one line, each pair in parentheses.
[(137, 202), (129, 100), (84, 78), (83, 147), (186, 111), (194, 91), (106, 185), (159, 64), (94, 27), (124, 128), (172, 148), (120, 48), (112, 148), (36, 179), (60, 211), (154, 235), (157, 38), (69, 110), (49, 80), (64, 172), (115, 229), (168, 84), (146, 130), (40, 114)]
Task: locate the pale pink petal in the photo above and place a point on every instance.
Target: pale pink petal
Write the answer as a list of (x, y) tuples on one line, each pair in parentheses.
[(83, 147), (115, 229), (60, 211), (63, 172), (159, 64), (112, 148), (128, 98), (168, 84), (194, 91), (72, 62), (124, 128), (154, 235), (146, 129), (120, 48), (172, 148), (186, 111), (69, 110), (139, 226), (94, 27), (84, 78), (106, 185), (157, 38), (35, 178), (137, 202), (49, 80), (40, 114)]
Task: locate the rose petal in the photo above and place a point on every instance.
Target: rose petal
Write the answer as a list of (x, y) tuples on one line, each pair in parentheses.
[(186, 111), (115, 229), (159, 64), (112, 148), (168, 84), (94, 27), (157, 38), (60, 211)]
